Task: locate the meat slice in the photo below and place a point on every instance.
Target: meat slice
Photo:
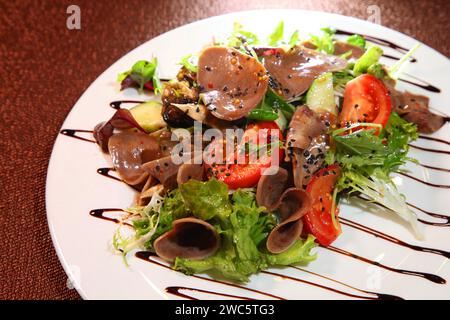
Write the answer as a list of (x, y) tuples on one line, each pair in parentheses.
[(414, 108), (164, 170), (304, 126), (292, 206), (308, 161), (293, 71), (270, 188), (190, 238), (233, 83), (341, 47), (129, 151), (188, 171), (306, 144)]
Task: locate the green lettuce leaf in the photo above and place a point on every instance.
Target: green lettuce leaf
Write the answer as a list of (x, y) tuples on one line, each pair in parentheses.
[(206, 200), (242, 252)]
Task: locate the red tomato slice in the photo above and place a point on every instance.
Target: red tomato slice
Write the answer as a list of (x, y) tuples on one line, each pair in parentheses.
[(366, 99), (246, 175), (318, 219)]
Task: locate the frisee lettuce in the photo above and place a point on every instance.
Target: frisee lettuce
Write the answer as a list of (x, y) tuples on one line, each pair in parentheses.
[(368, 160)]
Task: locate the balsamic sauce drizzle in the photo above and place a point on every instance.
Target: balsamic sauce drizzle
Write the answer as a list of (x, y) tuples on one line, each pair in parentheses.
[(443, 186), (176, 292), (378, 296), (432, 214), (73, 133), (431, 277), (105, 172), (421, 84), (283, 276), (397, 58), (99, 213), (434, 139), (389, 238), (379, 41), (429, 149), (146, 256), (116, 104), (433, 168)]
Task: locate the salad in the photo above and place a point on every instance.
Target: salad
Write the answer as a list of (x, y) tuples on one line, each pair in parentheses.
[(241, 160)]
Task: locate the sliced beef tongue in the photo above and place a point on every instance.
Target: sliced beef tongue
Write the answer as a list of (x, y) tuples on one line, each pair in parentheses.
[(270, 188), (292, 206), (414, 108), (294, 70), (190, 238), (306, 144), (308, 161), (164, 170), (233, 83), (304, 126), (129, 151), (341, 47)]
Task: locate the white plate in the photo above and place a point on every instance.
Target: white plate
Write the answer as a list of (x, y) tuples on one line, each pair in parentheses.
[(74, 187)]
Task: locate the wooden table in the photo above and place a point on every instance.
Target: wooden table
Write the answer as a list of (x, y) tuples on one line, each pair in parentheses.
[(45, 68)]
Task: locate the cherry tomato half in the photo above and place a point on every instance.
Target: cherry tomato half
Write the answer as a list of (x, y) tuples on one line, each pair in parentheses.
[(318, 219), (366, 99)]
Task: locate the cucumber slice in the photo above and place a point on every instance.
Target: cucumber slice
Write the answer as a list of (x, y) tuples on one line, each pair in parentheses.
[(148, 115), (320, 96)]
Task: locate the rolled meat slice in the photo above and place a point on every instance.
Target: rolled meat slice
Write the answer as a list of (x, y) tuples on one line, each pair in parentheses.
[(232, 83), (129, 151), (293, 71), (292, 206), (270, 188), (190, 238)]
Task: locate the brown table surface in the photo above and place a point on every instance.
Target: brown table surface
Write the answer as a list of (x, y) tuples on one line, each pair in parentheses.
[(45, 68)]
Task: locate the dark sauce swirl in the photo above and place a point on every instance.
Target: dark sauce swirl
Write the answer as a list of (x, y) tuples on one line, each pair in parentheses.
[(389, 238), (428, 276), (430, 184), (73, 134), (116, 104), (106, 173)]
